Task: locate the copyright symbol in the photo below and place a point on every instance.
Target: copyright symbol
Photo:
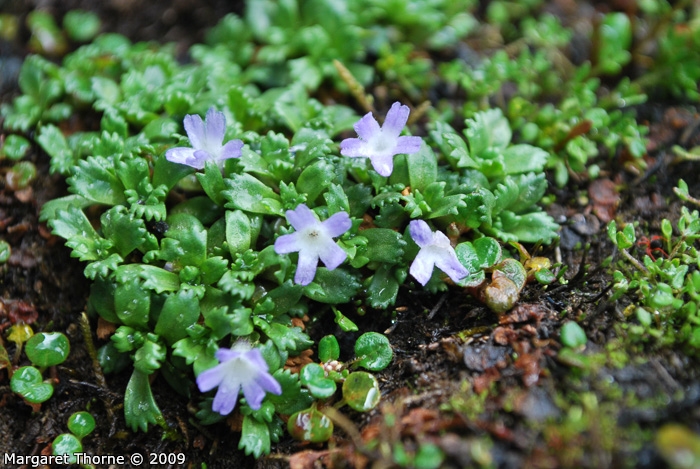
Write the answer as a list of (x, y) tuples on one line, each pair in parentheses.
[(136, 459)]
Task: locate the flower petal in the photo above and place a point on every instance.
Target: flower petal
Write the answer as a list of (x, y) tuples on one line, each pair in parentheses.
[(181, 155), (337, 224), (330, 253), (396, 119), (353, 147), (199, 158), (301, 217), (194, 126), (226, 354), (215, 128), (408, 145), (287, 243), (232, 149), (383, 164), (253, 393), (211, 378), (268, 383), (306, 267), (227, 395), (448, 263), (422, 267), (420, 232), (367, 127)]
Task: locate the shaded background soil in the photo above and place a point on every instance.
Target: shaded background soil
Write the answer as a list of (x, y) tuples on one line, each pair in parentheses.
[(445, 346)]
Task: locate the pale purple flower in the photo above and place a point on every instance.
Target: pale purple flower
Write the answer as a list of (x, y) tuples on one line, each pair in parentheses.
[(435, 250), (380, 144), (240, 367), (313, 240), (206, 138)]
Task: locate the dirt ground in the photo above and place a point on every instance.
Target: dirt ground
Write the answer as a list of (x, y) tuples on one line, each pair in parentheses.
[(536, 412)]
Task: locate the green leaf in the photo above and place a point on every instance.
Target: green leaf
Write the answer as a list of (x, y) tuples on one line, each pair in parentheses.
[(615, 41), (310, 425), (67, 444), (185, 242), (47, 349), (15, 147), (572, 335), (293, 397), (345, 324), (81, 25), (238, 231), (315, 178), (81, 424), (249, 194), (95, 179), (212, 182), (54, 143), (314, 378), (286, 338), (384, 287), (75, 228), (328, 349), (524, 158), (167, 173), (373, 351), (140, 408), (332, 286), (27, 382), (125, 232), (255, 437), (487, 130), (149, 356), (422, 168), (132, 304), (180, 311), (361, 391), (383, 245)]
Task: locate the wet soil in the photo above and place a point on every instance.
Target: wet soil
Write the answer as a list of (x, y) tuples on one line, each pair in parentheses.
[(489, 391)]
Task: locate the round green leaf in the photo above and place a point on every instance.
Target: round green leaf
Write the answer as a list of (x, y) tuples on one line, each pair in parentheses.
[(81, 424), (572, 335), (15, 147), (373, 351), (27, 382), (66, 443), (48, 349), (5, 251), (310, 425), (361, 391), (328, 349), (81, 25), (314, 378), (545, 276)]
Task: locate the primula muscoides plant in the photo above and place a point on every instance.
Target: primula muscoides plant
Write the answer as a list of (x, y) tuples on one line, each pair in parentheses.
[(219, 237)]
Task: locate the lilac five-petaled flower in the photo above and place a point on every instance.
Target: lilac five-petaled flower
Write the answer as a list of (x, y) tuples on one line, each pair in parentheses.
[(380, 144), (435, 250), (240, 366), (313, 240), (207, 138)]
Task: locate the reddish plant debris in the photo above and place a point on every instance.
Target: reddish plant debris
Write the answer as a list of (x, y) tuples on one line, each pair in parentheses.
[(604, 198), (17, 311)]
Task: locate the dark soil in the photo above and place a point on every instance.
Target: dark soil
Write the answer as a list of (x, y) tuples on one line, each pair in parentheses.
[(445, 346)]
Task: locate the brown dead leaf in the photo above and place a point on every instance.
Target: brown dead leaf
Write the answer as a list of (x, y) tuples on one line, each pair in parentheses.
[(104, 328), (524, 313), (306, 459), (483, 381), (295, 364), (529, 366), (605, 199), (504, 335)]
